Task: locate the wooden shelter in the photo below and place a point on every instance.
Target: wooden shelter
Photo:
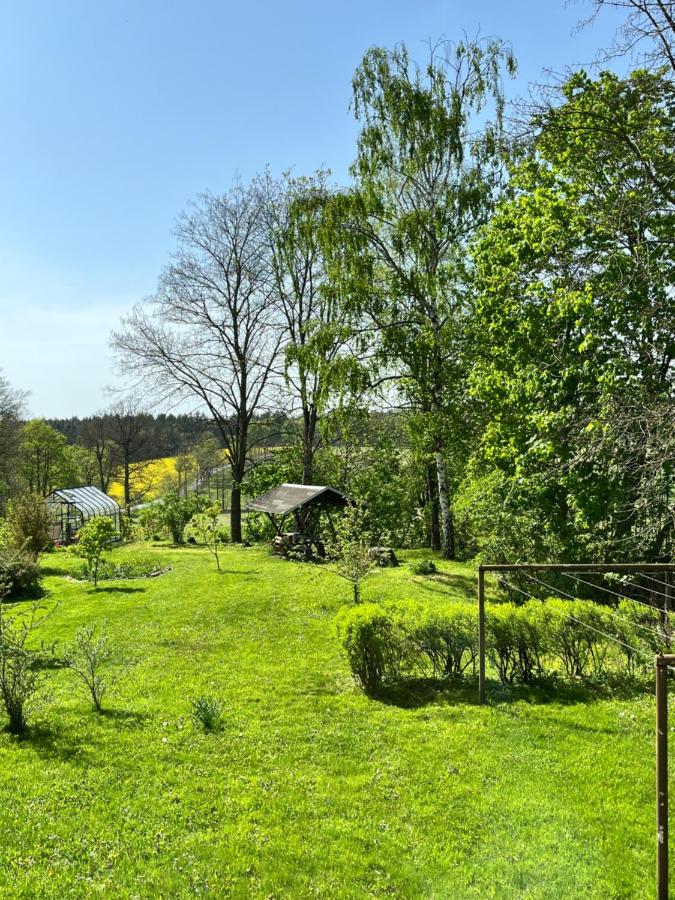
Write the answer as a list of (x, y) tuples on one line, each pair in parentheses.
[(305, 503)]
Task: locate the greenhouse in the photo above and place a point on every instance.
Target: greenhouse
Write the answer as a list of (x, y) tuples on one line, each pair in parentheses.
[(70, 508)]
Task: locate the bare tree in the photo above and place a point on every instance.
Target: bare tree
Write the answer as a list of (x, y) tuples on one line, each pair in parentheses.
[(130, 429), (648, 33), (212, 330), (96, 436)]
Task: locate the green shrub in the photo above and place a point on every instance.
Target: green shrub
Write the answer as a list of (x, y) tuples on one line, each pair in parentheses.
[(114, 570), (20, 573), (373, 643), (424, 567), (151, 522), (444, 637), (577, 634), (207, 714), (175, 512), (639, 629), (88, 654), (503, 633), (28, 522)]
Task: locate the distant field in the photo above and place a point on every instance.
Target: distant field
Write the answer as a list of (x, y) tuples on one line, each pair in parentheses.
[(152, 480)]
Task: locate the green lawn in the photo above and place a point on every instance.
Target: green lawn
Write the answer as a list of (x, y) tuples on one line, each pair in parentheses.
[(312, 789)]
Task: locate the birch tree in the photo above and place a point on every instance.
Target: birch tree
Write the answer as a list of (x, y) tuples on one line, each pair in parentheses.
[(427, 171)]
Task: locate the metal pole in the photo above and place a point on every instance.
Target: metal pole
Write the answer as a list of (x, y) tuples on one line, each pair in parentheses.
[(661, 778), (481, 635)]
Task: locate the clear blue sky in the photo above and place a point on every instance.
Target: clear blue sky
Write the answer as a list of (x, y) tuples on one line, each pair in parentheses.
[(114, 114)]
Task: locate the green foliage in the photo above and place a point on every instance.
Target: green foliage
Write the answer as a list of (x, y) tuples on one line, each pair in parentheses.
[(94, 538), (209, 531), (175, 513), (372, 643), (21, 675), (208, 714), (429, 162), (151, 521), (20, 573), (424, 567), (43, 457), (28, 522), (119, 569), (442, 639), (350, 548), (571, 349)]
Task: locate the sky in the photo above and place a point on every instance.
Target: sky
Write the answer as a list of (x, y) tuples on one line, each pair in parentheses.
[(115, 114)]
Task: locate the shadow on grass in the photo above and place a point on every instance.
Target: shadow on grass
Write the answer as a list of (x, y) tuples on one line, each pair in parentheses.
[(453, 585), (413, 693), (128, 716), (53, 570), (117, 590), (51, 744)]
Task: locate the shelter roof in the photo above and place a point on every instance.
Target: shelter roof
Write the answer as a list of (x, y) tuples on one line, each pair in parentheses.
[(287, 498)]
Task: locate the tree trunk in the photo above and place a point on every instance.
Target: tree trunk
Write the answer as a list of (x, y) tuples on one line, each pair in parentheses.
[(447, 523), (235, 512), (434, 521), (127, 481), (309, 433)]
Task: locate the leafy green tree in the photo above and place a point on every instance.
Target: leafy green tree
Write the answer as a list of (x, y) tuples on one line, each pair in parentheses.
[(43, 452), (317, 326), (79, 467), (428, 168), (11, 410), (575, 319), (94, 538)]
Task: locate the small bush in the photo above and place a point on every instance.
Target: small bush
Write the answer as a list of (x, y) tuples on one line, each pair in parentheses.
[(208, 714), (87, 655), (577, 634), (373, 643), (444, 637), (424, 567), (20, 573), (175, 512), (114, 570), (20, 670), (639, 629)]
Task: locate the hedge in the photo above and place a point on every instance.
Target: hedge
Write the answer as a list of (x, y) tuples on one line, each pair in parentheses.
[(578, 638)]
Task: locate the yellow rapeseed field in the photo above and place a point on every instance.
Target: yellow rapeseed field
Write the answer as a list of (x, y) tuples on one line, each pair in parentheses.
[(149, 480)]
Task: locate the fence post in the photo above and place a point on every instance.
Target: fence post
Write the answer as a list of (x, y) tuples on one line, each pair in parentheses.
[(661, 778), (481, 635)]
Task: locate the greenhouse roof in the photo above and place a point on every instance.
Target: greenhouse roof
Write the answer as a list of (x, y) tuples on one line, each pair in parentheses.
[(286, 498), (88, 500)]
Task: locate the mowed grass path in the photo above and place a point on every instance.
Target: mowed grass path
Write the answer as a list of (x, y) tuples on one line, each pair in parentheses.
[(312, 789)]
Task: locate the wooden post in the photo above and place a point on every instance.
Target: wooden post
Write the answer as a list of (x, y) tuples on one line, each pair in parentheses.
[(481, 635), (661, 778)]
